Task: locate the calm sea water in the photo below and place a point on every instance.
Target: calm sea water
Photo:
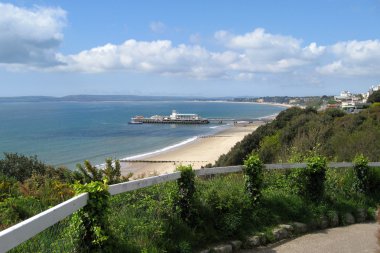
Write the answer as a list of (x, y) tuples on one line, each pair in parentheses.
[(67, 133)]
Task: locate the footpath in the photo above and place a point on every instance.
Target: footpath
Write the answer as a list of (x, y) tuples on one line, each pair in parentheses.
[(357, 238)]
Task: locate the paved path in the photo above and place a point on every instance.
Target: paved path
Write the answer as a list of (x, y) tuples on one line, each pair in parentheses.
[(358, 238)]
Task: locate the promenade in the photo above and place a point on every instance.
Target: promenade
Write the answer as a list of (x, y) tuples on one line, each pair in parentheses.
[(357, 238)]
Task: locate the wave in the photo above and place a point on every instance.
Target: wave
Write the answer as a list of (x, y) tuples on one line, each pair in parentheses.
[(269, 116), (161, 150)]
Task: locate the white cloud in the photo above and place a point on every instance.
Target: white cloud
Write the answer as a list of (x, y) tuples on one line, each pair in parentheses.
[(352, 58), (30, 36), (154, 57), (243, 57), (157, 27), (257, 40), (264, 52)]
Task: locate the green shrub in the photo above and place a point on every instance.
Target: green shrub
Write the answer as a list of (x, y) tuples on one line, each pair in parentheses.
[(374, 184), (361, 169), (311, 180), (90, 225), (186, 194), (17, 209), (226, 206), (253, 174), (8, 187), (21, 167), (340, 184)]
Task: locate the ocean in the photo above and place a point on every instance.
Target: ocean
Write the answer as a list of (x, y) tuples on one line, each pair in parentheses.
[(67, 133)]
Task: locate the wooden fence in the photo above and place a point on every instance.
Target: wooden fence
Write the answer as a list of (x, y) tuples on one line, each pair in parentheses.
[(23, 231)]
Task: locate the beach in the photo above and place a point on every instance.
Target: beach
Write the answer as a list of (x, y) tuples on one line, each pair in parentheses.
[(200, 152)]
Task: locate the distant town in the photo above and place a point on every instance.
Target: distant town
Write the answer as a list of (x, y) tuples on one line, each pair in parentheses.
[(346, 100)]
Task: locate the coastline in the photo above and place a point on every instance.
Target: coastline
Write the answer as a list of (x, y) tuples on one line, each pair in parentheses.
[(198, 152), (249, 102)]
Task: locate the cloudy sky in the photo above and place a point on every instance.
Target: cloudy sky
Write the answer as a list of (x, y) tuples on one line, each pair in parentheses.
[(201, 48)]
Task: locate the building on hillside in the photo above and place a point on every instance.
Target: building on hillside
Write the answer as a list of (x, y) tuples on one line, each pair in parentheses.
[(344, 96)]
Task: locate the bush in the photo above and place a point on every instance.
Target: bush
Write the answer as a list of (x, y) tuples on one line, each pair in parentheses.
[(361, 169), (8, 187), (225, 208), (90, 225), (253, 175), (311, 179), (374, 97), (14, 210), (21, 167), (186, 194)]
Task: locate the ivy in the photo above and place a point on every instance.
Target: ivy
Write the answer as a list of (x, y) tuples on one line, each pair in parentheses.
[(313, 178), (89, 224), (186, 194), (361, 169), (253, 175)]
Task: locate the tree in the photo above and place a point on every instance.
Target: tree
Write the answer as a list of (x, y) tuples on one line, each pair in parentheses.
[(21, 167), (374, 97), (111, 172)]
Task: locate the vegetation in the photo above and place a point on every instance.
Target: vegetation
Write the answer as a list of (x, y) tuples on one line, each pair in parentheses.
[(253, 170), (89, 226), (28, 186), (311, 180), (111, 172), (185, 197), (374, 97), (314, 101), (297, 132), (144, 220)]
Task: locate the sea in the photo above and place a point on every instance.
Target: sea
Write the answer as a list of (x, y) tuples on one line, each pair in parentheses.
[(67, 133)]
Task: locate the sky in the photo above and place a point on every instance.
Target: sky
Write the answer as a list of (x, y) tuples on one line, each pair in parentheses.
[(203, 48)]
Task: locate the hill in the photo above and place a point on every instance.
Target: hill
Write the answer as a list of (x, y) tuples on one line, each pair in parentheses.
[(297, 132)]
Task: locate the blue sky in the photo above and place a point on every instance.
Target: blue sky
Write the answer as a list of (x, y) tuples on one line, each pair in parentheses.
[(201, 48)]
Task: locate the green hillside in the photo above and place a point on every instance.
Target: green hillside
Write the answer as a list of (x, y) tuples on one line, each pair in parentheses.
[(297, 132)]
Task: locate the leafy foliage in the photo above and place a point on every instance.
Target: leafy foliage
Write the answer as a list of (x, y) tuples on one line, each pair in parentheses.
[(21, 167), (374, 97), (28, 186), (315, 176), (361, 169), (186, 194), (253, 174), (89, 173), (90, 224), (334, 134)]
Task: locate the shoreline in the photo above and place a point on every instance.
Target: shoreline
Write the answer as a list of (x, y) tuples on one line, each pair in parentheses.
[(198, 152), (248, 102)]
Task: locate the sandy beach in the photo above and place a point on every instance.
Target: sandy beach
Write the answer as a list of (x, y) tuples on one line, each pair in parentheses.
[(198, 153)]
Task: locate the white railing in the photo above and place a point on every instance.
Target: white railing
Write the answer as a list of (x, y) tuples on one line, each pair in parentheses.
[(23, 231)]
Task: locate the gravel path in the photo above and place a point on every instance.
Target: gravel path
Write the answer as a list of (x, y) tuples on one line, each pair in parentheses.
[(358, 238)]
